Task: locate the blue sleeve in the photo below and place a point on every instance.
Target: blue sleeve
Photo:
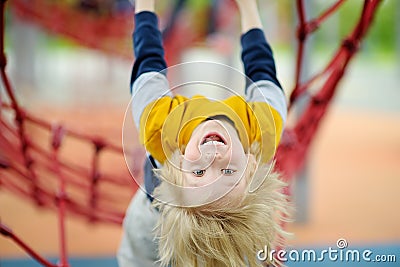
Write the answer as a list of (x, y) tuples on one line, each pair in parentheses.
[(257, 57), (148, 47)]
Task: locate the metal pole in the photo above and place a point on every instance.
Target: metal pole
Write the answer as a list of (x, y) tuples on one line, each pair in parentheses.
[(301, 186)]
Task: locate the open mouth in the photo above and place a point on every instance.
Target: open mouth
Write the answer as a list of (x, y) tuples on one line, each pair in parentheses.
[(213, 139)]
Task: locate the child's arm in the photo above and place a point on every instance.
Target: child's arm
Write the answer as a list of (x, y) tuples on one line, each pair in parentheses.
[(259, 66), (257, 55), (148, 83), (147, 40)]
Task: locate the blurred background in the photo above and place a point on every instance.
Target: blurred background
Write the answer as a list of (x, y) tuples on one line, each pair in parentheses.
[(65, 70)]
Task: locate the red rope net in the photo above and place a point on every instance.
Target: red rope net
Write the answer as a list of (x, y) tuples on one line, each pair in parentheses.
[(38, 171)]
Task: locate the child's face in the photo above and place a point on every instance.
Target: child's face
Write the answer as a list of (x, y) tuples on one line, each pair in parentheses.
[(214, 151)]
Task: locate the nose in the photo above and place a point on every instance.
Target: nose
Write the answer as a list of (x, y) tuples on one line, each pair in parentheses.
[(211, 154)]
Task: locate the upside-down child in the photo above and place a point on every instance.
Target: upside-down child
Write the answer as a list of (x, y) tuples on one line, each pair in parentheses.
[(214, 201)]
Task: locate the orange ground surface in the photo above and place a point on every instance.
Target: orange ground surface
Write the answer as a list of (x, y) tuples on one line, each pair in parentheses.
[(354, 181)]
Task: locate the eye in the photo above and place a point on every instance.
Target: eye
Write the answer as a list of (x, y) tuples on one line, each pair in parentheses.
[(198, 173), (228, 171)]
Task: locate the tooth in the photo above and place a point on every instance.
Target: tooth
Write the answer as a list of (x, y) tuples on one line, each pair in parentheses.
[(213, 142)]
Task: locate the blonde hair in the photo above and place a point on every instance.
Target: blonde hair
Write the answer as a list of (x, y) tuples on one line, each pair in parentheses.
[(222, 235)]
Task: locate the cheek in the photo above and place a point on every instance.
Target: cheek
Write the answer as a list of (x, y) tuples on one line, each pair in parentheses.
[(240, 188), (238, 156), (191, 151), (237, 195)]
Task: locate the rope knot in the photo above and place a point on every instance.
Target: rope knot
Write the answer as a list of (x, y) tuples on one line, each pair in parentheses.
[(99, 144), (351, 45), (58, 134)]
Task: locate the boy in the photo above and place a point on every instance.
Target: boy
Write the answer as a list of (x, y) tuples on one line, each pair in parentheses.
[(215, 203)]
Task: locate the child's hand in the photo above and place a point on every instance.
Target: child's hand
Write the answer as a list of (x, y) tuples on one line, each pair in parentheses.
[(143, 5), (245, 2), (250, 16)]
